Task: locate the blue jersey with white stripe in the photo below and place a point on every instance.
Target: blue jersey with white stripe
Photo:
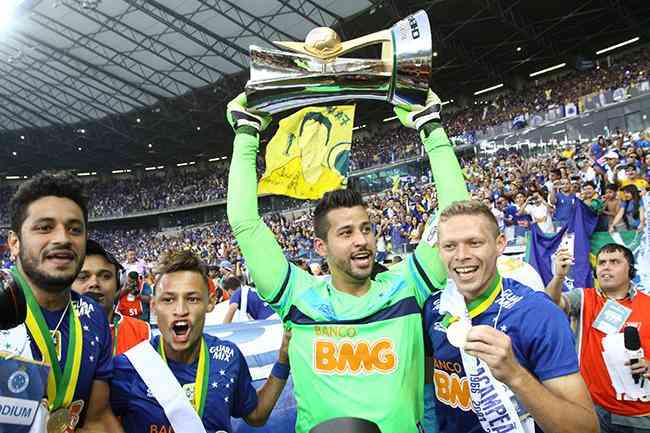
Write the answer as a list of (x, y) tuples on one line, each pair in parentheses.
[(541, 340), (230, 392)]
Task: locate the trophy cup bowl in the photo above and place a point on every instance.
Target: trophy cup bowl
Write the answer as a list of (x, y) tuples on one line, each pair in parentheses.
[(315, 73)]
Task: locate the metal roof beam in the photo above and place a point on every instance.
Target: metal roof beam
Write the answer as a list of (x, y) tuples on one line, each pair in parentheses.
[(216, 45), (159, 48), (300, 11), (30, 110), (143, 96), (248, 21), (72, 97), (53, 95), (624, 12), (579, 42), (40, 101), (132, 66), (17, 118), (507, 15), (468, 57), (547, 29), (90, 91)]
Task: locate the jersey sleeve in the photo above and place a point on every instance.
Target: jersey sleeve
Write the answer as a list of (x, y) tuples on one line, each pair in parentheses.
[(245, 396), (425, 265), (266, 262), (121, 385), (104, 369), (551, 352)]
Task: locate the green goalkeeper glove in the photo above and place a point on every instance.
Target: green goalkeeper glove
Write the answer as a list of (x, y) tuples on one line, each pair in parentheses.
[(417, 116), (239, 116)]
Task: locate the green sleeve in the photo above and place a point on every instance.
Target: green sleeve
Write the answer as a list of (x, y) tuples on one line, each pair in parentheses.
[(264, 258), (430, 272)]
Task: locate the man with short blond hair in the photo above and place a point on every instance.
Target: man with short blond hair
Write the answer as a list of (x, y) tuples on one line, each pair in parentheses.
[(486, 341)]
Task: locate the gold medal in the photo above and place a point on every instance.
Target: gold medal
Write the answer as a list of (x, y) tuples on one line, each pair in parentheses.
[(59, 421)]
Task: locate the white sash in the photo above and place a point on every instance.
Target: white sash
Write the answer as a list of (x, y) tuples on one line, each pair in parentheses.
[(491, 399), (165, 388)]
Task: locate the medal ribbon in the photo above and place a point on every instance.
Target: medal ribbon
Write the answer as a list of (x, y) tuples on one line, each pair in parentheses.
[(202, 375), (116, 327), (60, 385), (480, 304)]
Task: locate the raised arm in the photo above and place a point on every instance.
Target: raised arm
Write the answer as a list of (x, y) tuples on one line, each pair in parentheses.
[(447, 176), (264, 257)]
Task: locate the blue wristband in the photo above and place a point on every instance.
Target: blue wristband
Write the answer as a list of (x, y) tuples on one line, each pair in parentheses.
[(280, 370)]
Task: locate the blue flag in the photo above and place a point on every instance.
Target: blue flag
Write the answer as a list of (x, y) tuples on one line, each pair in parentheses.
[(576, 234), (22, 386)]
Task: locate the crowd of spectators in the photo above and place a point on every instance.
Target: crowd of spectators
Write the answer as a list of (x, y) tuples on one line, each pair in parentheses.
[(608, 175), (119, 196), (538, 96)]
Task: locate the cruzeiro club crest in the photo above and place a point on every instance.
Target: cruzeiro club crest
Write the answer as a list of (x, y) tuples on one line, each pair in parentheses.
[(18, 381)]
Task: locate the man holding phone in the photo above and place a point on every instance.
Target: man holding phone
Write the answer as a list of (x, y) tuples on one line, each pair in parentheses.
[(540, 211)]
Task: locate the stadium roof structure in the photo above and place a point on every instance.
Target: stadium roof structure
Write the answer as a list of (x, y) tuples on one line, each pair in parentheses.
[(100, 85)]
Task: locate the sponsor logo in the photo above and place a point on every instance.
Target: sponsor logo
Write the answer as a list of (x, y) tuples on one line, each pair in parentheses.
[(84, 309), (415, 30), (354, 357), (222, 352), (158, 428), (451, 389), (508, 299), (335, 331)]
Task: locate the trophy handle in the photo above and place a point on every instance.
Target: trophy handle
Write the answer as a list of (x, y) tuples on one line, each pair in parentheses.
[(384, 37)]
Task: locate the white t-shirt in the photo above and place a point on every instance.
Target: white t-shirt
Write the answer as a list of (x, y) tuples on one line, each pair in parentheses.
[(539, 213)]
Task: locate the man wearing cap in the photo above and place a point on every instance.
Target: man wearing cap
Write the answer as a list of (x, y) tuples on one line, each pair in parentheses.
[(632, 177), (98, 279), (610, 167)]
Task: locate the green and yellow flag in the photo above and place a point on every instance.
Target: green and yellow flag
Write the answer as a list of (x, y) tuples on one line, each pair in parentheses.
[(310, 153)]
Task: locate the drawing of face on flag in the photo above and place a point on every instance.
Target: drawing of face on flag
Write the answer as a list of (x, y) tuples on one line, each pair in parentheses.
[(317, 151), (310, 153)]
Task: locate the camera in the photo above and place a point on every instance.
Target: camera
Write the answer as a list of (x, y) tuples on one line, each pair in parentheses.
[(13, 306), (133, 282)]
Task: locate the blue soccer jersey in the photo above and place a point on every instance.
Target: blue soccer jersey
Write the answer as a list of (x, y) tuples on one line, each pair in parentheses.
[(96, 356), (230, 391), (541, 340)]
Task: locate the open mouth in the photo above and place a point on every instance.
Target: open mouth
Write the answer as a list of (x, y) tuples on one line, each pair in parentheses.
[(181, 331), (362, 259)]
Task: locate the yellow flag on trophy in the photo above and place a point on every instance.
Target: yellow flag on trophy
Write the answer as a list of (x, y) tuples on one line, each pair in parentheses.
[(310, 153)]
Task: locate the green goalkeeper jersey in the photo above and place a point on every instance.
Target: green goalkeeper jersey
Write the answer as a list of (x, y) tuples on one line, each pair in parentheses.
[(355, 356)]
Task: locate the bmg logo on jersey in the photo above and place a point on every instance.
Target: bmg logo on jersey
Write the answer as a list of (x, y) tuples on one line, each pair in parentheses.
[(354, 356), (452, 389)]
